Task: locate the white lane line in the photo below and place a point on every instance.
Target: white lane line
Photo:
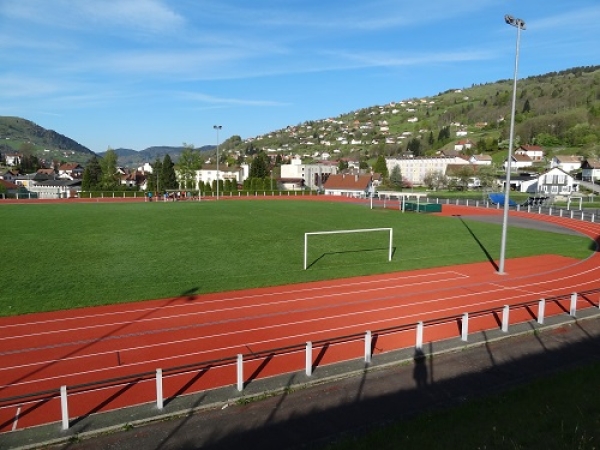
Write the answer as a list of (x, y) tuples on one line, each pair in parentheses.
[(286, 302), (236, 347), (344, 316)]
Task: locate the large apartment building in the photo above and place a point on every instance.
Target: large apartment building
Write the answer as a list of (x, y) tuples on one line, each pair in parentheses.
[(414, 169)]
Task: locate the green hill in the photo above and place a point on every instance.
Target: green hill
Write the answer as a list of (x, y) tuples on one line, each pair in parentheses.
[(23, 136), (558, 110)]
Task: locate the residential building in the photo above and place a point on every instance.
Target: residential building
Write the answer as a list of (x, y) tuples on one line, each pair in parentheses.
[(208, 174), (311, 176), (481, 160), (414, 170), (350, 185), (463, 144), (535, 152), (590, 169), (12, 159), (568, 163), (518, 162), (553, 182), (70, 171)]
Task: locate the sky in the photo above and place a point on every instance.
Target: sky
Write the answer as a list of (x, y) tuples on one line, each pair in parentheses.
[(141, 73)]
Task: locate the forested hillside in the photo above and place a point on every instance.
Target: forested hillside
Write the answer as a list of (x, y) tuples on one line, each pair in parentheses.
[(559, 111)]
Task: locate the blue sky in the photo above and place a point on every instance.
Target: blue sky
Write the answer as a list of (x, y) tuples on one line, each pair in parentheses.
[(138, 73)]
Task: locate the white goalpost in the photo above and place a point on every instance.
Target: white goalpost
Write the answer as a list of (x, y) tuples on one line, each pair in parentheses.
[(363, 230)]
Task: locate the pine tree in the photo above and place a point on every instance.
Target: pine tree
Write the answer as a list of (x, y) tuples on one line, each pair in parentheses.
[(380, 166), (396, 177), (92, 175), (167, 174)]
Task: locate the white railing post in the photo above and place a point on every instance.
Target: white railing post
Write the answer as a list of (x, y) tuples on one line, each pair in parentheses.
[(541, 311), (560, 213), (465, 327), (368, 344), (505, 313), (159, 389), (419, 343), (240, 372), (572, 213), (308, 359), (573, 307), (64, 408)]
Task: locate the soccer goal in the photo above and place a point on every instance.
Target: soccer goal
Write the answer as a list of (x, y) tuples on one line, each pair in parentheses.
[(363, 230)]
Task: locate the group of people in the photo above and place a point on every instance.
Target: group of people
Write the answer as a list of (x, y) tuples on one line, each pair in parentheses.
[(169, 196)]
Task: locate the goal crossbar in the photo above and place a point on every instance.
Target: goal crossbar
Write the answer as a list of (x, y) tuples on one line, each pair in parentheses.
[(362, 230)]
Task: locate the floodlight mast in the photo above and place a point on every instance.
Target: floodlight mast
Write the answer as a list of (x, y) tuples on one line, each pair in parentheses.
[(519, 24), (217, 127)]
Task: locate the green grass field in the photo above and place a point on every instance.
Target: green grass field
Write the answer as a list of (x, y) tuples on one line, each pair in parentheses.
[(59, 256)]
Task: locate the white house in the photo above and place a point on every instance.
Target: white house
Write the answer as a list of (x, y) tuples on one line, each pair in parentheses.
[(568, 163), (518, 162), (350, 185), (535, 152), (414, 170), (481, 160), (590, 169), (209, 173), (70, 171), (463, 144), (309, 175), (12, 159), (553, 182)]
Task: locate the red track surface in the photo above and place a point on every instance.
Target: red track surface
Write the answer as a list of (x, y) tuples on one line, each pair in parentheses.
[(44, 351)]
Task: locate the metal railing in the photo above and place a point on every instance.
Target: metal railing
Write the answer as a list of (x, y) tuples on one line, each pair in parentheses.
[(307, 347)]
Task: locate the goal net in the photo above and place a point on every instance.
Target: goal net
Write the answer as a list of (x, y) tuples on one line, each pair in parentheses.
[(389, 231)]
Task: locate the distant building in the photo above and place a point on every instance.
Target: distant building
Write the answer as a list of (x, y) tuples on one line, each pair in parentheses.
[(351, 185), (568, 163), (311, 176), (414, 170)]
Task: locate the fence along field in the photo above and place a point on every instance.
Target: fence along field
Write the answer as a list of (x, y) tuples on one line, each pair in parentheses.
[(64, 256)]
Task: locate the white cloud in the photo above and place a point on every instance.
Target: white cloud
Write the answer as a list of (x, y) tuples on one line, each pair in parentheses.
[(141, 15), (562, 23), (204, 98)]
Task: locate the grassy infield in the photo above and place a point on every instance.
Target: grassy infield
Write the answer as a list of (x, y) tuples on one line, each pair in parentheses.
[(67, 256)]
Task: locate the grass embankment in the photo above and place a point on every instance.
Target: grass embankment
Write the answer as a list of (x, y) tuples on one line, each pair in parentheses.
[(59, 256), (559, 412)]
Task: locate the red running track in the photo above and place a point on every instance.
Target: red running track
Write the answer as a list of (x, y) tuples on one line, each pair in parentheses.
[(44, 351)]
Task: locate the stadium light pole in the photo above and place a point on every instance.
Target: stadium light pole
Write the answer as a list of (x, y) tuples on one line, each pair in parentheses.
[(520, 25), (217, 127)]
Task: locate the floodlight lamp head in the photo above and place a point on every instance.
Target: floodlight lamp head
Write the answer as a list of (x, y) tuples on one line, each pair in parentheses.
[(217, 127), (515, 22)]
